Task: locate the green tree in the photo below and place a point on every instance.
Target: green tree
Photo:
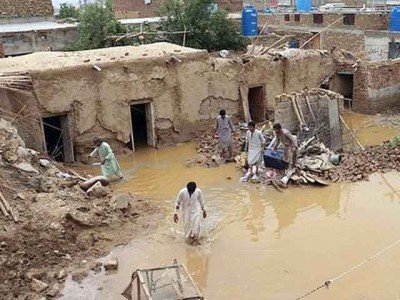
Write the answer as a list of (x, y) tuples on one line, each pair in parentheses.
[(97, 22), (206, 29), (68, 11)]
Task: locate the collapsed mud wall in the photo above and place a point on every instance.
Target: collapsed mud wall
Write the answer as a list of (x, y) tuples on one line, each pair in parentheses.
[(376, 86), (24, 112), (186, 88), (307, 114)]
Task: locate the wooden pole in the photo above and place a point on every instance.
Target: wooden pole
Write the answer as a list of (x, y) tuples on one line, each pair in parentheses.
[(310, 39), (3, 209), (351, 133), (8, 207), (274, 44)]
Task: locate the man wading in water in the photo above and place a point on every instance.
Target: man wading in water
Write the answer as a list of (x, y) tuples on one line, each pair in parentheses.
[(191, 199), (109, 164)]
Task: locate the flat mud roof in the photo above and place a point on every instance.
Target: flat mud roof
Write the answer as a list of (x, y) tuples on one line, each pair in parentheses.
[(40, 61)]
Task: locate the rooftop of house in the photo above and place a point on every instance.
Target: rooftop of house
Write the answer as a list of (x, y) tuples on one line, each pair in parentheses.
[(55, 60)]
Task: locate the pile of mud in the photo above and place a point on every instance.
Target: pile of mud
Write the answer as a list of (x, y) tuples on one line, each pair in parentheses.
[(57, 227), (358, 165)]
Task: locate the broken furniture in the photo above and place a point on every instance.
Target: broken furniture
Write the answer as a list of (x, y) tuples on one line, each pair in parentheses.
[(164, 283)]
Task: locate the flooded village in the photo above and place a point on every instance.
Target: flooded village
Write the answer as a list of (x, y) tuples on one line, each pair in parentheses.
[(100, 147)]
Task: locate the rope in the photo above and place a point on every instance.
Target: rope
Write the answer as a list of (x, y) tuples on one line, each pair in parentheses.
[(327, 283)]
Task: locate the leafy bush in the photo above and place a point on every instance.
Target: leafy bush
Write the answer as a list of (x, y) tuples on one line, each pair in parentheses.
[(206, 29), (97, 22), (68, 11)]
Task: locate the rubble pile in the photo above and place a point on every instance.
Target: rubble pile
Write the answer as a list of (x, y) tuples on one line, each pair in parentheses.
[(208, 152), (207, 144), (359, 165), (48, 223)]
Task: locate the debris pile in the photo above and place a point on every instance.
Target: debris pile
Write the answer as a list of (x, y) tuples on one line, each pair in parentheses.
[(359, 165), (48, 222), (208, 152)]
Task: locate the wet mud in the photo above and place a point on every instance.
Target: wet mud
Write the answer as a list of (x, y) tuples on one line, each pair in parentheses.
[(259, 243)]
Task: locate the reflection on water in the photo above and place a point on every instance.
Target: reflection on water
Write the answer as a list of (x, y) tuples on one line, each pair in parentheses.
[(367, 131), (259, 243)]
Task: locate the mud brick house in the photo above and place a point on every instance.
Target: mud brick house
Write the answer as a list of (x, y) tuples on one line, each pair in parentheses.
[(365, 34), (150, 8), (165, 91)]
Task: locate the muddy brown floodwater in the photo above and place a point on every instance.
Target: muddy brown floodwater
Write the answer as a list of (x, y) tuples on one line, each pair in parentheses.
[(259, 243)]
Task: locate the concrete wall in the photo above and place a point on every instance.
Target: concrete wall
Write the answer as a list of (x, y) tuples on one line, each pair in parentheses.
[(17, 43), (377, 44), (376, 86), (25, 8), (186, 87)]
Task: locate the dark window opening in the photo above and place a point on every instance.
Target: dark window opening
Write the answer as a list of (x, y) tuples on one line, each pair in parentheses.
[(287, 18), (139, 125), (318, 18), (297, 18), (256, 103), (57, 138), (349, 19), (394, 50)]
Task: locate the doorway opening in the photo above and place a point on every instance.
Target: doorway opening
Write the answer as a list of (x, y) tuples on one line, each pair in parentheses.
[(345, 87), (58, 142), (142, 125), (256, 103), (316, 41)]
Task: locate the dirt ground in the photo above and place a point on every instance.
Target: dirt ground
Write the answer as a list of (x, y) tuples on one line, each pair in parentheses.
[(60, 229)]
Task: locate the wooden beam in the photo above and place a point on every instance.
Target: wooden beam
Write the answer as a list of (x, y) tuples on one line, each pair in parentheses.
[(244, 95), (319, 33), (334, 125), (351, 133)]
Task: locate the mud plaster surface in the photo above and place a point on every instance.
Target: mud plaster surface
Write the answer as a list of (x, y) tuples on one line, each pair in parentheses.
[(184, 86)]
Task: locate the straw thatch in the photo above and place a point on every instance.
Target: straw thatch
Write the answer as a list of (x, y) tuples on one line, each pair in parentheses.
[(16, 82)]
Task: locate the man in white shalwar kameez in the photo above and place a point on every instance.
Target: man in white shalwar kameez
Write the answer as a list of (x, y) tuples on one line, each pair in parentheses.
[(224, 131), (192, 202), (255, 142)]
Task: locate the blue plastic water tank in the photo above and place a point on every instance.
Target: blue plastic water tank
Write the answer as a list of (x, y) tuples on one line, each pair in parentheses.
[(303, 5), (249, 21), (395, 19)]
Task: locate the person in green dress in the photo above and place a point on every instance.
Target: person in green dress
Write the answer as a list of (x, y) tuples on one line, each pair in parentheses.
[(109, 165)]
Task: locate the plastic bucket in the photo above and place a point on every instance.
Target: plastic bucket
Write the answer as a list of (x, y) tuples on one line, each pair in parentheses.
[(335, 159)]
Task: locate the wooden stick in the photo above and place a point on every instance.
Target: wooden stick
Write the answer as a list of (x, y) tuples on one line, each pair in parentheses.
[(5, 202), (310, 39), (273, 45), (8, 207), (296, 111), (258, 36), (299, 108), (311, 111), (17, 114), (76, 174), (3, 209), (351, 133), (275, 185)]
